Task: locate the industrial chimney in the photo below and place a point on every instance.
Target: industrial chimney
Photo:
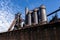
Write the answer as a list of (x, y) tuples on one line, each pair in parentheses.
[(26, 16), (43, 17), (35, 16)]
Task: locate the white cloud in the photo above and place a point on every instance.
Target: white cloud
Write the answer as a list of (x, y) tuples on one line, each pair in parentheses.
[(6, 15), (7, 11), (5, 20)]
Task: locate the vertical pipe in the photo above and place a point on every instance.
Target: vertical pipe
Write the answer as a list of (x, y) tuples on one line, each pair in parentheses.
[(35, 16), (43, 14), (26, 16), (29, 17)]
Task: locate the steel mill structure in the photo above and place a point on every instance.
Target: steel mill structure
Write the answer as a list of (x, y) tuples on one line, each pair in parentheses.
[(35, 27), (36, 16)]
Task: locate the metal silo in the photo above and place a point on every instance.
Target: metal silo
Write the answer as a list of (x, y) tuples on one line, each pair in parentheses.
[(29, 18), (35, 16), (43, 17)]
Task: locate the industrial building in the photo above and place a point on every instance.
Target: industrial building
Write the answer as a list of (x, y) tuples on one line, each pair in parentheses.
[(36, 26)]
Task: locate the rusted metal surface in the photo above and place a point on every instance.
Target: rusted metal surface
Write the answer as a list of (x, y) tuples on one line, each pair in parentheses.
[(38, 32)]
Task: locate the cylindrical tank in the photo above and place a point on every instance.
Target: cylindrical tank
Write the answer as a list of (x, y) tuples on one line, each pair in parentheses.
[(43, 16), (29, 17), (35, 16), (26, 15)]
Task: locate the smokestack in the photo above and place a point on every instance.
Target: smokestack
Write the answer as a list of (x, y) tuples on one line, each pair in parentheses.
[(26, 10), (26, 16), (29, 17), (43, 14), (35, 16)]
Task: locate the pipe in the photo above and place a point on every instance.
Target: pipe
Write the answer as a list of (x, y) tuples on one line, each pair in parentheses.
[(53, 12)]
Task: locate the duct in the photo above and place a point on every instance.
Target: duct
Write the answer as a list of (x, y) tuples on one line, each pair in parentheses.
[(43, 16), (35, 16)]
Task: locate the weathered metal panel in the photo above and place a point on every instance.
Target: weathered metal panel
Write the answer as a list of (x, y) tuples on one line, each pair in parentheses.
[(46, 32)]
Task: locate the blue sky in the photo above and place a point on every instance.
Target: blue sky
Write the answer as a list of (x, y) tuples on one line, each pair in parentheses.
[(19, 5), (8, 8)]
